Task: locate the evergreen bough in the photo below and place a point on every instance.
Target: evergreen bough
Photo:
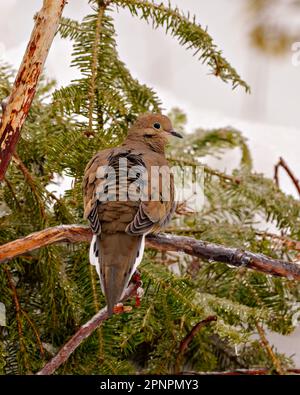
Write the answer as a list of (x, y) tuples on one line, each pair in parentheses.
[(50, 292)]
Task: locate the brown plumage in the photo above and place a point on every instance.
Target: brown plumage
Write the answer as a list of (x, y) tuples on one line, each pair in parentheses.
[(120, 224)]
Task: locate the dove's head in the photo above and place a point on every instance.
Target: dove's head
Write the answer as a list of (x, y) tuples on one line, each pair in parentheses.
[(153, 130)]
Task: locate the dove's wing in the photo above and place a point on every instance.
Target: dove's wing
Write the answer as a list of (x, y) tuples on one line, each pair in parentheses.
[(154, 214), (92, 182)]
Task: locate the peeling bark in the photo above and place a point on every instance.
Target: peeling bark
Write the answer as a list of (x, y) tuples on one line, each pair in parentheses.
[(18, 104)]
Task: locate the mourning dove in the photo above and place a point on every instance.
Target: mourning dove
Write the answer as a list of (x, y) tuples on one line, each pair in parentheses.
[(128, 193)]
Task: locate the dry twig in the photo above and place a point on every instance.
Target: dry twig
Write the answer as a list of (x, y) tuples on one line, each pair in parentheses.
[(189, 337), (238, 372), (282, 163)]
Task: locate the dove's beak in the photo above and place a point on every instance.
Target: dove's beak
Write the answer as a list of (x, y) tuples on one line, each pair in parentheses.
[(176, 134)]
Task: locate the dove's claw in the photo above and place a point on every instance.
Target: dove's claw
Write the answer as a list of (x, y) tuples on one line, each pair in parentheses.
[(136, 278), (120, 308), (137, 301), (138, 296)]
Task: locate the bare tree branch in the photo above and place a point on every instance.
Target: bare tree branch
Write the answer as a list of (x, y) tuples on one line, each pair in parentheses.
[(284, 240), (189, 337), (24, 88), (163, 242), (239, 372), (218, 253), (83, 332), (282, 163), (280, 239), (57, 234)]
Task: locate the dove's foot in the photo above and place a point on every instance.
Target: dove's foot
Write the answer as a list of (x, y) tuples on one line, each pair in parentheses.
[(120, 308), (136, 278), (138, 296)]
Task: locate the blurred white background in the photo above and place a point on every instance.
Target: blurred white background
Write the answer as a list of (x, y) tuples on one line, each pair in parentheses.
[(269, 117)]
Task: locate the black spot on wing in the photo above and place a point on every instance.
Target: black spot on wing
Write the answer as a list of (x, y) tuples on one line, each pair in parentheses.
[(133, 159), (141, 223), (94, 220)]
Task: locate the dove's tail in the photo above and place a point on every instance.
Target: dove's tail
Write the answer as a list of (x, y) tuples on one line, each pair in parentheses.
[(116, 257)]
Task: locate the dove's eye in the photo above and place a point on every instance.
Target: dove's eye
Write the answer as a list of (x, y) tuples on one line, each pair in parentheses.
[(156, 125)]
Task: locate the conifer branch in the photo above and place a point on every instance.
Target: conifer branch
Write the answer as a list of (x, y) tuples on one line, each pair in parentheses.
[(189, 34), (18, 104), (83, 332), (17, 306), (162, 242), (207, 169), (223, 176), (18, 314), (289, 243), (282, 163), (268, 348), (69, 28), (106, 98), (33, 186), (35, 331), (12, 191), (95, 54), (28, 177)]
